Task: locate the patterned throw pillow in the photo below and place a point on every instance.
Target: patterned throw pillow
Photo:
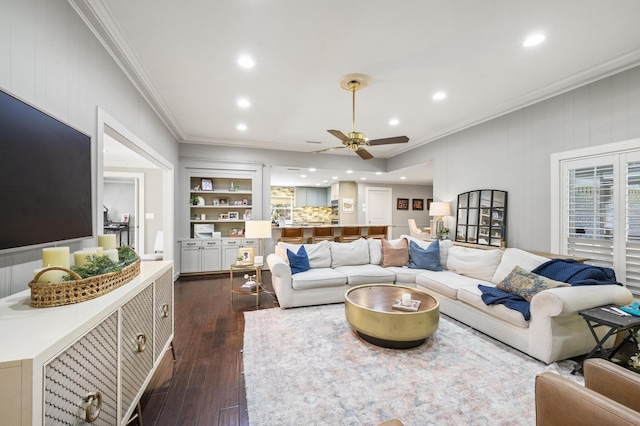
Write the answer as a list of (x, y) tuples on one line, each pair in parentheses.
[(527, 284)]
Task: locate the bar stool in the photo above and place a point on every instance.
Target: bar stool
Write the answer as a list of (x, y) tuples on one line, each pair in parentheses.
[(324, 233), (349, 233), (292, 235), (379, 232)]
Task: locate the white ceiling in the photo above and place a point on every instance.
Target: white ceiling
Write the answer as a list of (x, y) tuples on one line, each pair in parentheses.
[(183, 56)]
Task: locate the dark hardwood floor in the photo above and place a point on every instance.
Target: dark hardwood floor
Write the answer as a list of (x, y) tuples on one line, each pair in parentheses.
[(205, 384)]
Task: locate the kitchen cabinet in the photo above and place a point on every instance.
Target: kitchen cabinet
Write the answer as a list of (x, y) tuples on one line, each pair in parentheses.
[(311, 197)]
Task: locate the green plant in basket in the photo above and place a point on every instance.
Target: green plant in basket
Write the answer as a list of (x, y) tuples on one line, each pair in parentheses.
[(95, 265), (126, 256)]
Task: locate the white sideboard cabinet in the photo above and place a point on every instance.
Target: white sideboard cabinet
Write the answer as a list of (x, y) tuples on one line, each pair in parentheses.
[(88, 362)]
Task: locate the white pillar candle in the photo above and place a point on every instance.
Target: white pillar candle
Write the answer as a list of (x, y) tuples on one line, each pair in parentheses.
[(55, 256), (107, 242), (112, 254), (80, 256), (406, 299), (98, 250), (54, 276)]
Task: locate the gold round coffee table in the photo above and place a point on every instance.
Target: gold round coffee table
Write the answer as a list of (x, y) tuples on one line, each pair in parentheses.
[(369, 311)]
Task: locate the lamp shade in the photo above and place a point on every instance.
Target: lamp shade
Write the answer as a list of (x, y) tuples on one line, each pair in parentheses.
[(257, 229), (439, 208)]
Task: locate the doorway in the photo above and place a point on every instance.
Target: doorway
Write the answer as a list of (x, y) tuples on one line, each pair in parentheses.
[(379, 210)]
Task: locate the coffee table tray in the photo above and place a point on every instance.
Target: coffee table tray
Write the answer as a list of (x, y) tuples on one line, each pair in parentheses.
[(415, 305)]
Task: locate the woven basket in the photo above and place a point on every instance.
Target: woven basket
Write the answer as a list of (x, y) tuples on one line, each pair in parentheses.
[(46, 295)]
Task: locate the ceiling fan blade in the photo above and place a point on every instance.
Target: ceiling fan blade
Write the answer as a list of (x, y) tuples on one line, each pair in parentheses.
[(338, 134), (364, 154), (328, 149), (387, 141)]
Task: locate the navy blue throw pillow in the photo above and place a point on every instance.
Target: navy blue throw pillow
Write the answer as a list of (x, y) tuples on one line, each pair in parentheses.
[(299, 262)]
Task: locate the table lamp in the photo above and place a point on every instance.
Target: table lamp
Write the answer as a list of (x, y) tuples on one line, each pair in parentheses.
[(439, 209), (260, 229)]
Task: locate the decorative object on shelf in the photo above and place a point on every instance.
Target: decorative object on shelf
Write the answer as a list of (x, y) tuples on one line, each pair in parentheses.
[(443, 233), (216, 202), (246, 255), (440, 209), (250, 284), (194, 200), (402, 204), (418, 204), (200, 201), (124, 217), (245, 201), (224, 216), (233, 216), (260, 229), (233, 187), (247, 214), (207, 184), (224, 201)]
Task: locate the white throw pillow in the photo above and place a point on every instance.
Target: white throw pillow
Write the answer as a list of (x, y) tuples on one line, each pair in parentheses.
[(513, 257), (375, 251), (476, 263), (349, 254)]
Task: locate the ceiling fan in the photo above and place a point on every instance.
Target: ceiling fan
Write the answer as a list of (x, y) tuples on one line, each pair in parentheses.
[(356, 140)]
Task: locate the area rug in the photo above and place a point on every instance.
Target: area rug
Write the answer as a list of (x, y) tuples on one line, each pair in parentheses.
[(307, 366)]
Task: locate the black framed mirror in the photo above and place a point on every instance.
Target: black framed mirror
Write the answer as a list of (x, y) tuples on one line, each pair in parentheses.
[(482, 217)]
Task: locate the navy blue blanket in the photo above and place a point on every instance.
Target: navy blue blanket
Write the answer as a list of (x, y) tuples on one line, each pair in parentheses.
[(495, 296), (574, 273)]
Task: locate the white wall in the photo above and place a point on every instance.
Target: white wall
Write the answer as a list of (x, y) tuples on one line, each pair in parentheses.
[(50, 58), (512, 152)]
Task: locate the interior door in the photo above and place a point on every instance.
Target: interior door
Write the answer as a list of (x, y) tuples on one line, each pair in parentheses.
[(378, 210)]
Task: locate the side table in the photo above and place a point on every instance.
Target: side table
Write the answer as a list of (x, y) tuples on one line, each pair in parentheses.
[(599, 317), (247, 268)]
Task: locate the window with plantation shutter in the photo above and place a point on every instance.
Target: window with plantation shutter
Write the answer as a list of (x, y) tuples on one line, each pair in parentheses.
[(598, 209)]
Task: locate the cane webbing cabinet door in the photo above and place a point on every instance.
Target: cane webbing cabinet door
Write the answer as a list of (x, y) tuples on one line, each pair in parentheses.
[(137, 347), (80, 386)]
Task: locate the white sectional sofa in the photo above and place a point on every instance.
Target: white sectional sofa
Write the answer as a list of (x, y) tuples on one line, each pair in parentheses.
[(555, 331)]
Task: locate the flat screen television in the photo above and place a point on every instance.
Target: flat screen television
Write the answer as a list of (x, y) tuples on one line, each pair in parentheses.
[(45, 178)]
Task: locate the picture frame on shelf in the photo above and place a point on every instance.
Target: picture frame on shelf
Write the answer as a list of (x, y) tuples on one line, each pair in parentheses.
[(224, 216), (215, 202), (234, 215), (247, 215), (418, 204), (246, 253), (224, 201), (124, 218), (402, 204), (206, 184)]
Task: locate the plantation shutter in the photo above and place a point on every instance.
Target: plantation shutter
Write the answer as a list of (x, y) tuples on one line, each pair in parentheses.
[(602, 213)]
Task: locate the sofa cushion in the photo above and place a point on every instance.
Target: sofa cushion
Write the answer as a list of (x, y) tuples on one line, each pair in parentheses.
[(527, 284), (366, 274), (353, 253), (319, 254), (425, 258), (444, 247), (472, 295), (446, 282), (513, 257), (395, 252), (318, 278), (299, 262), (375, 251), (404, 275), (477, 263)]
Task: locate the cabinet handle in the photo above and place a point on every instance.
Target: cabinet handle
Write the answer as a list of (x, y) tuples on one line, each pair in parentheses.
[(165, 310), (142, 342), (94, 396)]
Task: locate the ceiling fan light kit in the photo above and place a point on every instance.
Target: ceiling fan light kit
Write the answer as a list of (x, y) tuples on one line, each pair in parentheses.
[(356, 140)]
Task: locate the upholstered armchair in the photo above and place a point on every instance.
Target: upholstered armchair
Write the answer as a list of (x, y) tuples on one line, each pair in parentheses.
[(609, 397), (415, 232)]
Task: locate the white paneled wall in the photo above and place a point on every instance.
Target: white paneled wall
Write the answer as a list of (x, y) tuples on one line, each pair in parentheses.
[(50, 58), (512, 152)]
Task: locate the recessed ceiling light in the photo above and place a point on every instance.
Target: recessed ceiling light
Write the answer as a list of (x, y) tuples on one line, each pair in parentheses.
[(349, 171), (378, 173), (533, 40), (317, 184), (325, 181), (363, 178), (403, 177), (394, 122), (246, 62), (438, 96), (242, 127), (303, 176), (244, 103), (312, 169), (334, 177)]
